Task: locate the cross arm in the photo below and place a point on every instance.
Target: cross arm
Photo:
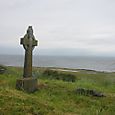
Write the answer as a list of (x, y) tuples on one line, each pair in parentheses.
[(35, 43)]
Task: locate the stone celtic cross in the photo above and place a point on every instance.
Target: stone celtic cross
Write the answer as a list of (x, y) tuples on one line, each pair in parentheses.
[(28, 83), (28, 42)]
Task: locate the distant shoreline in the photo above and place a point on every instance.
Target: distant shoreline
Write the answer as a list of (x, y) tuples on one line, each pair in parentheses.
[(75, 70), (69, 69)]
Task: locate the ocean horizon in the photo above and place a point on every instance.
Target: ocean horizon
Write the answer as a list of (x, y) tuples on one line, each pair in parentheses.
[(106, 64)]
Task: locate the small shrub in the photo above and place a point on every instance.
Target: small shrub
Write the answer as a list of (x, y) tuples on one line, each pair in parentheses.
[(51, 74), (68, 77)]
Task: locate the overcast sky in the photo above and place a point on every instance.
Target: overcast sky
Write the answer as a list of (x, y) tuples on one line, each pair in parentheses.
[(79, 27)]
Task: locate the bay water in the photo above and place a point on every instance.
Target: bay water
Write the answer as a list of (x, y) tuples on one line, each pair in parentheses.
[(74, 62)]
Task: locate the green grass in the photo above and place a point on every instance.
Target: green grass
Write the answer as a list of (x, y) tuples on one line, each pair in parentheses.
[(57, 97)]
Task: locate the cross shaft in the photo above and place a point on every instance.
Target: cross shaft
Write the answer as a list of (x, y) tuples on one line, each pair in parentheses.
[(28, 42)]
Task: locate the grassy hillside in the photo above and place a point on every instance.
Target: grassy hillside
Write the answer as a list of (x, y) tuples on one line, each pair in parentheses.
[(57, 96)]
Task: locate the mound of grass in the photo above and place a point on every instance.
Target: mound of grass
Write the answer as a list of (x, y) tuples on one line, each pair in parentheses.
[(52, 74), (13, 102)]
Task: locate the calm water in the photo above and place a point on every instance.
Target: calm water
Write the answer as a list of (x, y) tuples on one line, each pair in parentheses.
[(92, 63)]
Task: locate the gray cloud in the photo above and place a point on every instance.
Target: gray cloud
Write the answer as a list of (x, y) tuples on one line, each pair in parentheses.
[(73, 24)]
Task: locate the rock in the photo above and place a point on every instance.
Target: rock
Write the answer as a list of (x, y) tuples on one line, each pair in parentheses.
[(97, 94), (2, 69), (80, 91), (89, 92)]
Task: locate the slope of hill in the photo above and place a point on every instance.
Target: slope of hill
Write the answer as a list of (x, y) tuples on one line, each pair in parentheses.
[(57, 96)]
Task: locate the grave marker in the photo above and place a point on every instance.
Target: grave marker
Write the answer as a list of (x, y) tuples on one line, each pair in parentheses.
[(28, 83)]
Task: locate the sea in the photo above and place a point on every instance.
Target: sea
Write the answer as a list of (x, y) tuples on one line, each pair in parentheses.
[(106, 64)]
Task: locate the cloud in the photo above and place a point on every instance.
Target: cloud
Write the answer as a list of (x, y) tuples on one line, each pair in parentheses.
[(73, 24)]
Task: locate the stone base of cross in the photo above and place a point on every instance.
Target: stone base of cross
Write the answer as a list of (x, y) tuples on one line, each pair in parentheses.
[(28, 83)]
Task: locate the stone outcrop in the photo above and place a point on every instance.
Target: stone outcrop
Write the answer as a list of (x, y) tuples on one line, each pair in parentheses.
[(89, 92)]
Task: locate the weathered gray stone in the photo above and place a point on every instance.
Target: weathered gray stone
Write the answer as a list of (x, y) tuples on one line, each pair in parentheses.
[(28, 83), (29, 44), (83, 91)]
